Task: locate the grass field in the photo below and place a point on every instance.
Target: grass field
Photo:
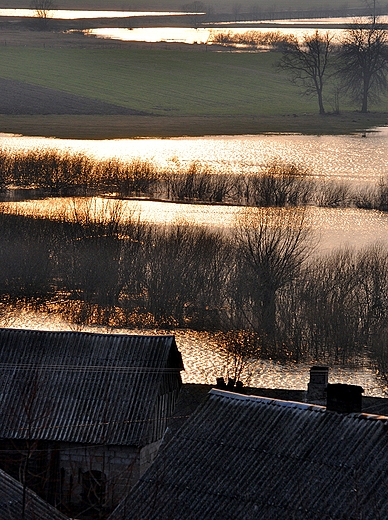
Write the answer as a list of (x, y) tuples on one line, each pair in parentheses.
[(167, 82), (182, 92), (121, 127), (160, 82)]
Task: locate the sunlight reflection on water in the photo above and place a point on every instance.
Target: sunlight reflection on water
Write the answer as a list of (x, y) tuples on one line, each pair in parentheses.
[(343, 158), (361, 161), (191, 35), (203, 363), (66, 14), (205, 34), (347, 158), (334, 228), (155, 34)]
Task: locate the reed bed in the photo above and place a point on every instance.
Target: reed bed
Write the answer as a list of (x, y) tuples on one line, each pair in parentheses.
[(54, 173)]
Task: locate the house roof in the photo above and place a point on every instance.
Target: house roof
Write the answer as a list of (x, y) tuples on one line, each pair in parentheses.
[(83, 387), (11, 502), (247, 457)]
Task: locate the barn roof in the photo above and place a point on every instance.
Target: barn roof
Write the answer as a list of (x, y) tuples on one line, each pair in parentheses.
[(84, 387), (245, 457), (11, 502)]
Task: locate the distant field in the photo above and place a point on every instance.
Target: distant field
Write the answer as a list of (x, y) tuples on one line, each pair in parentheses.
[(219, 6), (162, 82), (128, 92)]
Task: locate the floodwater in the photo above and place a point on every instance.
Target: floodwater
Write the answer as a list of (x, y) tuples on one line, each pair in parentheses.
[(203, 362), (206, 33), (63, 14), (189, 35), (347, 158), (333, 228), (353, 158)]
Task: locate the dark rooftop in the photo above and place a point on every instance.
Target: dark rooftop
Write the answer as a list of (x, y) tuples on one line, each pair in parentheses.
[(11, 502), (83, 387), (246, 457)]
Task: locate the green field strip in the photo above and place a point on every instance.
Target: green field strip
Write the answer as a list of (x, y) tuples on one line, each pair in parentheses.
[(191, 83)]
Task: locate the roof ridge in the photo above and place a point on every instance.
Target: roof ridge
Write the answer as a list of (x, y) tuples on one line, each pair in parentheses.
[(88, 333), (290, 404), (257, 398)]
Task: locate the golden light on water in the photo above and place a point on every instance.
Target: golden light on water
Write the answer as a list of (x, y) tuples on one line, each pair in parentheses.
[(349, 158), (64, 14), (344, 158), (190, 35), (334, 228), (155, 34), (203, 362)]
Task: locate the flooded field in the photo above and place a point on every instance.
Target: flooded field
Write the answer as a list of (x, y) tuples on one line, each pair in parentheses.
[(204, 362), (350, 159), (359, 158)]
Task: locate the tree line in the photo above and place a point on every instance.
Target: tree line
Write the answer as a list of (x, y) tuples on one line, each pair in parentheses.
[(357, 65), (262, 285), (354, 65)]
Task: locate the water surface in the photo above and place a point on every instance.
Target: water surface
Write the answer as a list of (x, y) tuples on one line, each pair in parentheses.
[(355, 159), (63, 14), (204, 362), (332, 228), (347, 158)]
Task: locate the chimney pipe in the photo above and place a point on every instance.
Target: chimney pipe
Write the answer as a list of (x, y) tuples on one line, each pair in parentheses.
[(344, 398), (316, 388)]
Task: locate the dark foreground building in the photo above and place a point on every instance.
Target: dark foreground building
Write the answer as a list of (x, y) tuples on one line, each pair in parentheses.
[(18, 503), (244, 457), (82, 415)]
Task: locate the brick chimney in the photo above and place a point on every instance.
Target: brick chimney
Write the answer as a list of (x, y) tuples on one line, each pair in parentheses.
[(316, 388), (344, 398)]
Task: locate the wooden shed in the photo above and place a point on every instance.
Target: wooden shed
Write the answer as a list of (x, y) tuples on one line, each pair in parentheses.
[(88, 411)]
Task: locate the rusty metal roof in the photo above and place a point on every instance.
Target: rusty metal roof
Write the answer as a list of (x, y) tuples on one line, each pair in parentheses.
[(84, 387), (245, 457), (11, 502)]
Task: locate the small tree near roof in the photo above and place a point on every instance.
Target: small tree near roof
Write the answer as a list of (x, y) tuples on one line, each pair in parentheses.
[(241, 349)]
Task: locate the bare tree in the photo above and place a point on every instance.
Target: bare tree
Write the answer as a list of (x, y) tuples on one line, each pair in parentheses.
[(281, 184), (42, 8), (274, 244), (307, 63), (241, 349), (43, 12), (363, 62)]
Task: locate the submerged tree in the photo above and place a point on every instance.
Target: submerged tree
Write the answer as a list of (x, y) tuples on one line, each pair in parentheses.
[(241, 349), (274, 245), (363, 62), (307, 62), (42, 8)]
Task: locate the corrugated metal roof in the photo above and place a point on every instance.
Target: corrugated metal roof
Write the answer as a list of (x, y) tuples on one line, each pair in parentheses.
[(11, 502), (82, 387), (244, 457)]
